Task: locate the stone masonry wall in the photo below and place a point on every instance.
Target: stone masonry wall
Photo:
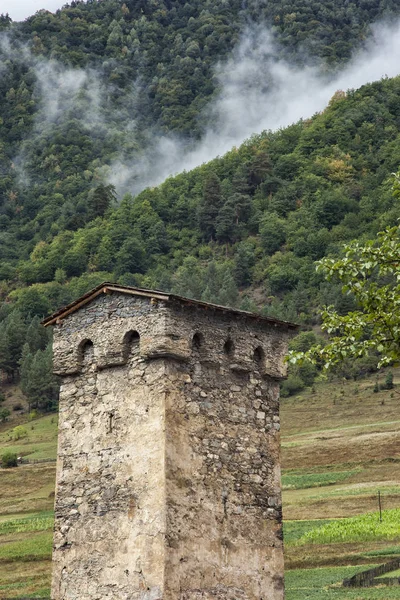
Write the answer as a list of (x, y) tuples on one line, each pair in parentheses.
[(168, 480), (224, 512), (110, 499)]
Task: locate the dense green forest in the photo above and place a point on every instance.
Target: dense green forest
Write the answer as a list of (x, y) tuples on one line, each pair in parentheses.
[(95, 79)]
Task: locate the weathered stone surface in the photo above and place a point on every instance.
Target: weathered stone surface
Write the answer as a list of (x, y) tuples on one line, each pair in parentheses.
[(168, 478)]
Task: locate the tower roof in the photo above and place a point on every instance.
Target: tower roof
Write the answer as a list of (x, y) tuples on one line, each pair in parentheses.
[(109, 288)]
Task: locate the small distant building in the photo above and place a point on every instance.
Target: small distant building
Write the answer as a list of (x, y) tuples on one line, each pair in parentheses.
[(168, 473)]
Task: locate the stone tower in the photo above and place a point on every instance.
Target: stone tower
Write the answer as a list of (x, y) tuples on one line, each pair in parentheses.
[(168, 473)]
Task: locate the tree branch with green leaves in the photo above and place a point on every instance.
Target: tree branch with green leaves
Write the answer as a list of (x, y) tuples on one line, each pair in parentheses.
[(369, 271)]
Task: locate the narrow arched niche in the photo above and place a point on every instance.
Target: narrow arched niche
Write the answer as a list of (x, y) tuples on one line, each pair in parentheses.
[(259, 356), (85, 352), (131, 343), (229, 348), (197, 341)]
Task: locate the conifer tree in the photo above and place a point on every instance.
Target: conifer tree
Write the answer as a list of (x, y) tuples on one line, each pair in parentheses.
[(210, 206), (42, 387), (228, 295), (25, 365), (36, 335), (225, 223), (244, 261), (212, 280), (15, 332), (5, 354), (100, 200)]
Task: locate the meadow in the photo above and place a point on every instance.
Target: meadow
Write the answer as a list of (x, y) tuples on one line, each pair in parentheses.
[(364, 528), (340, 446), (25, 555), (27, 503), (336, 456)]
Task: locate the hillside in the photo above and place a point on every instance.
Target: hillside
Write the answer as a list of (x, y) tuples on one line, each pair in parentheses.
[(242, 230), (259, 216), (95, 102), (340, 445), (92, 91), (103, 93)]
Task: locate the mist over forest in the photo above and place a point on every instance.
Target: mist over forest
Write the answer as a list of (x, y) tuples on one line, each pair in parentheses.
[(215, 150), (256, 88)]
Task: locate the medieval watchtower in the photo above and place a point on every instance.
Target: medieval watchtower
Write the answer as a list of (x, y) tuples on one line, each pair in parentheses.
[(168, 475)]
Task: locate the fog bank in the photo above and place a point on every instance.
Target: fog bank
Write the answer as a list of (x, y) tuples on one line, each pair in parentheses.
[(259, 91)]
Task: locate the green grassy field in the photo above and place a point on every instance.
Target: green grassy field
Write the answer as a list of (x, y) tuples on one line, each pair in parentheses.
[(26, 504), (392, 574), (325, 584), (40, 441), (364, 528), (25, 555), (299, 481), (336, 455)]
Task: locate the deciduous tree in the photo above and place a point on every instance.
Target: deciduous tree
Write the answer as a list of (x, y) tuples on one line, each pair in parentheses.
[(370, 272)]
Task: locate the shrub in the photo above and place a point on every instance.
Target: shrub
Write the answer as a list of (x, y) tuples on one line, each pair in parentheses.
[(389, 381), (304, 341), (307, 373), (9, 459), (4, 414), (19, 432), (2, 397), (292, 385)]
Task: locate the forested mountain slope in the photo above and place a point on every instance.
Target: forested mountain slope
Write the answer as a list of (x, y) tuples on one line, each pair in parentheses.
[(98, 79), (101, 80), (259, 216)]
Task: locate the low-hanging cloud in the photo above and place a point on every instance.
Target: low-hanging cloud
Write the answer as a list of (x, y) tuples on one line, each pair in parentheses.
[(59, 89), (259, 91), (65, 95)]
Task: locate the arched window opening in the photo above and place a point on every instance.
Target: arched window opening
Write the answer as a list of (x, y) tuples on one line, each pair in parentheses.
[(131, 343), (259, 355), (229, 348), (197, 341), (86, 352)]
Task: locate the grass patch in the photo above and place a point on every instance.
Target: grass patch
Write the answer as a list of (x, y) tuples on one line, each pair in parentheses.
[(40, 442), (35, 546), (363, 528), (37, 522), (320, 578), (314, 584), (327, 430), (359, 491), (294, 530), (391, 551), (298, 481), (27, 489), (25, 580), (43, 594), (395, 573)]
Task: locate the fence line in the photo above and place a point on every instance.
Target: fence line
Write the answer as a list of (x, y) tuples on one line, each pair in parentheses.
[(368, 578), (35, 461), (32, 461)]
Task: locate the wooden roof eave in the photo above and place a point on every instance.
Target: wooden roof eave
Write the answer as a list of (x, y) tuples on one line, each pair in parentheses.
[(57, 317), (108, 287)]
